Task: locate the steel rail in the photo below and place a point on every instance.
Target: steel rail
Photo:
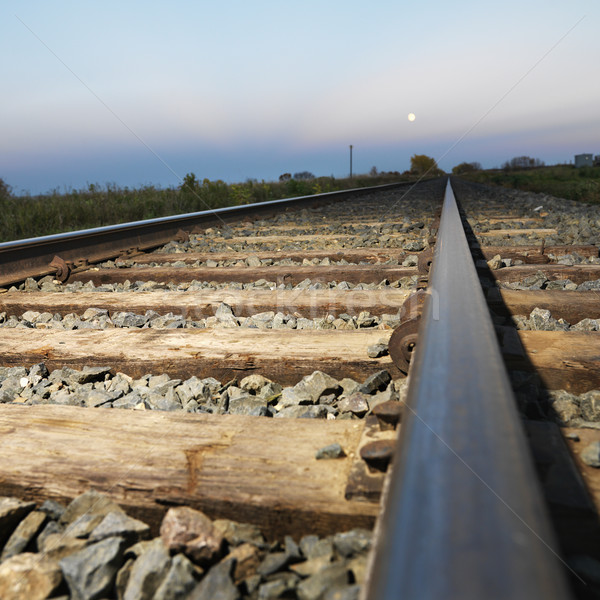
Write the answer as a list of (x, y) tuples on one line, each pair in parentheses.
[(31, 257), (463, 516)]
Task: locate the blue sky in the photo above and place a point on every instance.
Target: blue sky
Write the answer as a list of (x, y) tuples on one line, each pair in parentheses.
[(139, 93)]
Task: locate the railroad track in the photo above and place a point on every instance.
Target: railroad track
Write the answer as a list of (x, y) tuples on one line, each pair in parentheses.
[(313, 309)]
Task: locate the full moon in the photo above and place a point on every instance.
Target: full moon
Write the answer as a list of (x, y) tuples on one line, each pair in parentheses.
[(411, 116)]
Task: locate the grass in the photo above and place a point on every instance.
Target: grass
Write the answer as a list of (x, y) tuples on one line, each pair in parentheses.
[(563, 181), (33, 216)]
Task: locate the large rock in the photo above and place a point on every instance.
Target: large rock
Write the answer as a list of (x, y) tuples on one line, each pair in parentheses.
[(128, 319), (53, 509), (282, 585), (148, 572), (586, 325), (122, 577), (356, 404), (315, 586), (119, 524), (23, 534), (377, 381), (318, 384), (224, 315), (590, 455), (350, 592), (90, 573), (536, 281), (90, 502), (184, 529), (308, 390), (10, 389), (82, 526), (180, 580), (88, 375), (247, 404), (247, 559), (313, 547), (541, 320), (12, 511), (565, 406), (57, 545), (28, 576), (303, 412), (290, 396), (350, 543), (273, 562), (311, 566), (238, 533), (254, 383), (97, 398), (217, 583), (590, 405)]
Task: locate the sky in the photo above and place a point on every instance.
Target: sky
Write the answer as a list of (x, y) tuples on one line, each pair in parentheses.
[(140, 93)]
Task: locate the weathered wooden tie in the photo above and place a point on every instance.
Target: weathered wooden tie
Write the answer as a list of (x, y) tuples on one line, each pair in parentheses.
[(284, 356), (351, 255), (249, 469), (196, 305), (568, 360), (570, 306), (577, 273), (281, 275), (564, 360), (515, 232)]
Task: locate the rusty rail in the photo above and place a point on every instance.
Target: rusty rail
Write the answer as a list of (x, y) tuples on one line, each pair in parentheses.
[(35, 256), (463, 515)]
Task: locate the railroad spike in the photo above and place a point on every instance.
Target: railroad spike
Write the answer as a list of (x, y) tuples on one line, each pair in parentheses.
[(378, 454), (404, 339), (62, 269)]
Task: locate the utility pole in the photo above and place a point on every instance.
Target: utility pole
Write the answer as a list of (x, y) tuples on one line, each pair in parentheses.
[(350, 161)]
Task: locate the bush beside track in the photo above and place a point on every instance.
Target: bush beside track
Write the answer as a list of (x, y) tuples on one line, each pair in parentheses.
[(57, 212), (563, 181)]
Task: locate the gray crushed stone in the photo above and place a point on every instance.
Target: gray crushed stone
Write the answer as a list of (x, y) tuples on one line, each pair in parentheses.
[(108, 562), (96, 318), (575, 222), (541, 319), (49, 284), (316, 396)]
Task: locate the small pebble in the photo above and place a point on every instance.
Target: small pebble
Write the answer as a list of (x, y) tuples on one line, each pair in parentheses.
[(590, 455), (377, 350), (495, 263), (330, 451)]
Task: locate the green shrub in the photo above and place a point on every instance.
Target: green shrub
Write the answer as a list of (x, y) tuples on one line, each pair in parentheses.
[(562, 181), (94, 206)]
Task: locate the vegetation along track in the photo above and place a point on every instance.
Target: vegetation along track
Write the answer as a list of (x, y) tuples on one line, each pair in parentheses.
[(144, 384)]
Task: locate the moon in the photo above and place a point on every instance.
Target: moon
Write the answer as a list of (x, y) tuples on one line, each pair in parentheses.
[(411, 117)]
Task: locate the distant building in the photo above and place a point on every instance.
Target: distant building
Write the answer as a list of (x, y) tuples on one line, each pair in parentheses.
[(584, 160), (597, 160)]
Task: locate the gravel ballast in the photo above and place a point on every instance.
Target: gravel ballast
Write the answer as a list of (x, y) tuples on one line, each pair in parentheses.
[(92, 549), (315, 396)]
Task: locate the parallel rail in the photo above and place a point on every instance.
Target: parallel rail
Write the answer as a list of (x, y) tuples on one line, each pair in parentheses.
[(463, 517), (32, 257)]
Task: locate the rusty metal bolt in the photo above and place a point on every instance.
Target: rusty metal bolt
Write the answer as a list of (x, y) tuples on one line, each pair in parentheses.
[(61, 268), (402, 344), (412, 307), (424, 262), (389, 414), (182, 236), (378, 454)]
